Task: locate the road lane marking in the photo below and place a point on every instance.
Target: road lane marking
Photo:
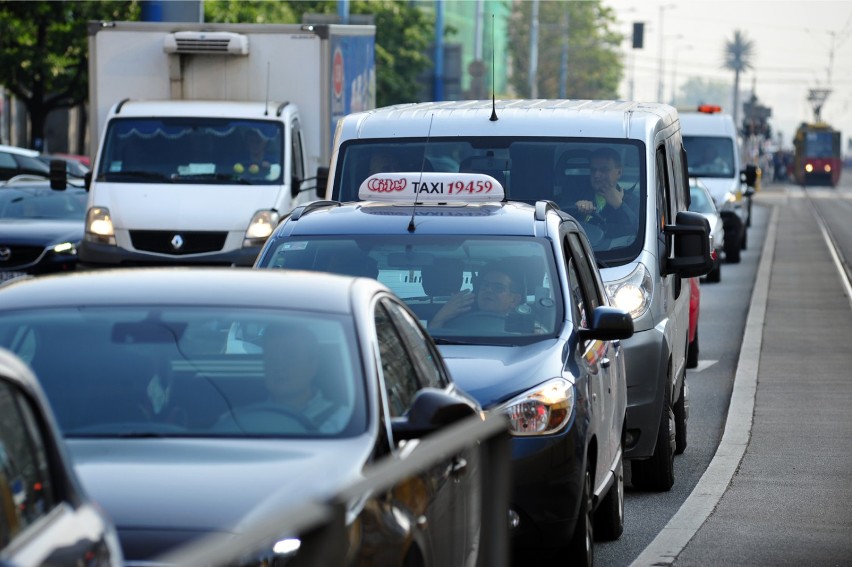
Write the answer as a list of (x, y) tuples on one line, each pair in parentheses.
[(701, 502)]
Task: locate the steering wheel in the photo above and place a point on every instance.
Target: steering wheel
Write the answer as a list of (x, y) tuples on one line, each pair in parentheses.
[(276, 409)]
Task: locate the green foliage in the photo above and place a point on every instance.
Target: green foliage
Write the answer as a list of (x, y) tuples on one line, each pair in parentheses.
[(44, 52), (594, 62), (697, 90), (241, 12), (739, 52)]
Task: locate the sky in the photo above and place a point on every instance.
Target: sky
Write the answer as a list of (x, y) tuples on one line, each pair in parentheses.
[(798, 46)]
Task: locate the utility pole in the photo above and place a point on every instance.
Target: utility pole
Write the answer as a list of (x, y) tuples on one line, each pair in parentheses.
[(563, 63), (533, 72)]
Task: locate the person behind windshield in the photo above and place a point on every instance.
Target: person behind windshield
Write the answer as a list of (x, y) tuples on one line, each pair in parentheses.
[(711, 162), (496, 292), (291, 357), (255, 160), (609, 203)]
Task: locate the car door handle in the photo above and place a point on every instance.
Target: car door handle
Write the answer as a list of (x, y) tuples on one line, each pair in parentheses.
[(605, 362)]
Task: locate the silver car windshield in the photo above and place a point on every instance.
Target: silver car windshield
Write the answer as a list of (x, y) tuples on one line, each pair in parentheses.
[(201, 372), (475, 289), (600, 181)]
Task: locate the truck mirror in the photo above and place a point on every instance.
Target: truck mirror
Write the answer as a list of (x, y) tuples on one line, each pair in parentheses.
[(749, 175), (58, 174), (87, 180)]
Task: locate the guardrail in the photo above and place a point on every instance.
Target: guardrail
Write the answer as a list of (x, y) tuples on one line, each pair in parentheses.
[(320, 527)]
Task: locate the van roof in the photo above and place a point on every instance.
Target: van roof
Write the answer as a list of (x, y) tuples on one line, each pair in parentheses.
[(702, 124), (209, 108), (520, 117)]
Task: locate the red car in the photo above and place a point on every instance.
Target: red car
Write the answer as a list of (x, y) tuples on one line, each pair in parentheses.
[(694, 303)]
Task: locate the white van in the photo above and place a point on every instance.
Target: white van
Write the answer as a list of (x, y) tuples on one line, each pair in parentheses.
[(551, 147), (714, 156)]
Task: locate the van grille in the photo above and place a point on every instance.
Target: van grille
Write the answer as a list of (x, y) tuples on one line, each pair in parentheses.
[(160, 242)]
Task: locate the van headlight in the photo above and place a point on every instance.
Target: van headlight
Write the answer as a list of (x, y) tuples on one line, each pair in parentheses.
[(261, 226), (99, 226), (633, 293), (542, 410)]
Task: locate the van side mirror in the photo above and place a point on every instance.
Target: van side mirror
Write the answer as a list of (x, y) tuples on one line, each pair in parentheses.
[(749, 175), (322, 181), (692, 258), (58, 174)]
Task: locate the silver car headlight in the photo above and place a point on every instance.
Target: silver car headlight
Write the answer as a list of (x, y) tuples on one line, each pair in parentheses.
[(542, 410), (99, 226), (633, 293), (261, 226)]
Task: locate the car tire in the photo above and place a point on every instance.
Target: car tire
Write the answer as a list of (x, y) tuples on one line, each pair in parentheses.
[(692, 352), (609, 517), (581, 550), (681, 416), (733, 246), (656, 473), (715, 275)]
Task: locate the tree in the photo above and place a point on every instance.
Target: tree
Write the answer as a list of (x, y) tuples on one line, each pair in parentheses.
[(739, 52), (594, 61), (44, 53), (696, 90)]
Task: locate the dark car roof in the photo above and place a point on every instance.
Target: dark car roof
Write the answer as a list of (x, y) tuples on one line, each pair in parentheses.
[(500, 218), (186, 286)]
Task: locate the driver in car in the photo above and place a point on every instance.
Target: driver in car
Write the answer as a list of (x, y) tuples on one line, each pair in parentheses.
[(291, 357), (496, 293), (609, 206)]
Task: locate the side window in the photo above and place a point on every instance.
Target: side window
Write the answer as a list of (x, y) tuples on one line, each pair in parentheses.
[(578, 303), (584, 265), (663, 213), (425, 356), (400, 378), (25, 489)]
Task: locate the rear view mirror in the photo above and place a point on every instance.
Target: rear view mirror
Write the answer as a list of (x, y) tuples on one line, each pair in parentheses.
[(749, 175), (691, 246), (608, 324), (58, 174), (431, 410)]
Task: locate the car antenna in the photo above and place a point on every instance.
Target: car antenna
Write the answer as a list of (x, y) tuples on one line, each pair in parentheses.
[(422, 165), (493, 100), (266, 105)]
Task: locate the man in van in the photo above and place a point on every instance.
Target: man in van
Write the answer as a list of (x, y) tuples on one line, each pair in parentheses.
[(609, 202)]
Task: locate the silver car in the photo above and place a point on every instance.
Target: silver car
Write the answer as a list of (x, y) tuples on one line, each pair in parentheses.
[(702, 202), (189, 397)]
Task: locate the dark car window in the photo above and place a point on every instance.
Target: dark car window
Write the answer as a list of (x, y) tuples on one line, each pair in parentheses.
[(25, 486), (421, 347), (41, 203), (400, 377)]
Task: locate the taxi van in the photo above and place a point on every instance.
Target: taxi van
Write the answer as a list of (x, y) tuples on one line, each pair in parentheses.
[(512, 295), (547, 150)]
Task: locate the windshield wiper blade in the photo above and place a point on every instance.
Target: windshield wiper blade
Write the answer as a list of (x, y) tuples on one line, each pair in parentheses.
[(153, 175)]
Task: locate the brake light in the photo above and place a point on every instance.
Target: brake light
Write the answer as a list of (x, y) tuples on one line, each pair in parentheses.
[(709, 108)]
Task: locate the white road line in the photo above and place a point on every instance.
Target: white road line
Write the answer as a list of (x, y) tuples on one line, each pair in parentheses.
[(838, 263), (712, 485), (702, 365)]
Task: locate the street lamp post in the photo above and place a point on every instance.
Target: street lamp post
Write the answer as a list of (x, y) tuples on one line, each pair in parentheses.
[(661, 73)]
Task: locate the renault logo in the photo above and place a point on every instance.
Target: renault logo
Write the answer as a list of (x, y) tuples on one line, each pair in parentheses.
[(5, 253), (177, 241)]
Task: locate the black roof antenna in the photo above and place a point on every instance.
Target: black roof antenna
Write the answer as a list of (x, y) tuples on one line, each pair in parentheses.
[(266, 105), (422, 165), (493, 100)]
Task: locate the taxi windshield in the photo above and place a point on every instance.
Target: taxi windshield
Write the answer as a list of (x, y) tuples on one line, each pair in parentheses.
[(599, 181), (193, 372), (468, 289)]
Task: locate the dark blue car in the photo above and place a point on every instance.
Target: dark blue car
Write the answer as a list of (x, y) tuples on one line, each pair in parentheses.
[(511, 294)]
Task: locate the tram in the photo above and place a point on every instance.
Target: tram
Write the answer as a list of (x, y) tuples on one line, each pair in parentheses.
[(817, 159)]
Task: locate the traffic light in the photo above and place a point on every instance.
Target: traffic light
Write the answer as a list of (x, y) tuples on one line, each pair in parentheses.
[(638, 34)]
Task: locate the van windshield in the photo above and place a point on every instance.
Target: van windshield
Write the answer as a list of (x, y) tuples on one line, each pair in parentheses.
[(192, 150), (710, 156), (599, 181)]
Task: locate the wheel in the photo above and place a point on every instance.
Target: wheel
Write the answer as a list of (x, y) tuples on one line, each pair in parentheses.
[(692, 352), (732, 245), (609, 517), (657, 472), (715, 275), (681, 413), (581, 550)]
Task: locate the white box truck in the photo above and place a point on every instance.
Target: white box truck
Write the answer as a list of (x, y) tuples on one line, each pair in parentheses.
[(204, 134)]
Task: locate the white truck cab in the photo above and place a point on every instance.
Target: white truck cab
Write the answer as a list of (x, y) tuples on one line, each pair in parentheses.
[(714, 156), (546, 150)]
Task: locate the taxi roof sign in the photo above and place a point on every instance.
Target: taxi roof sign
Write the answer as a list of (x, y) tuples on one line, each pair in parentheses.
[(431, 187)]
